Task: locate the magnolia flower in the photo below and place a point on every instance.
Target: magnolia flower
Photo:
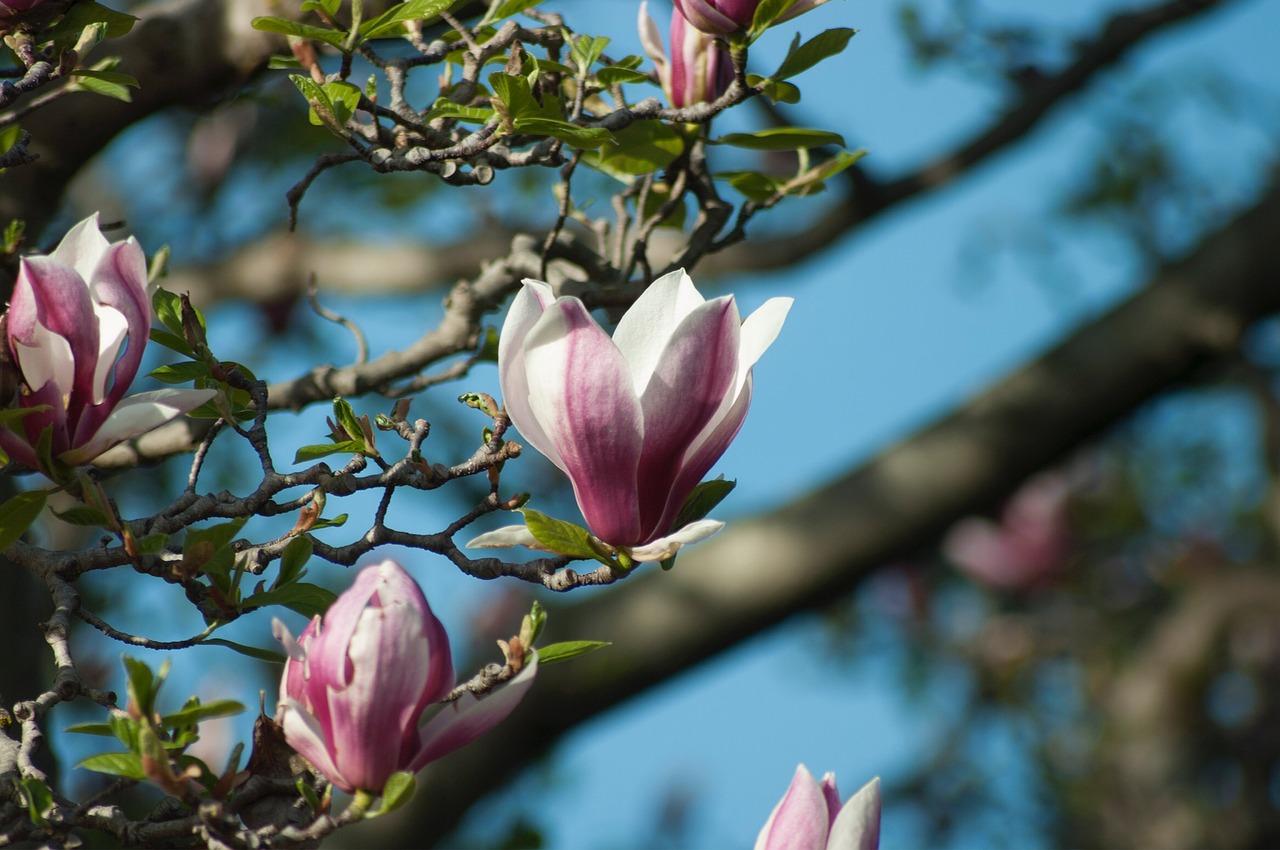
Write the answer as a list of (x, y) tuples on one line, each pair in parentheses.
[(73, 313), (699, 70), (1028, 546), (635, 421), (359, 679), (809, 817), (721, 17), (9, 8)]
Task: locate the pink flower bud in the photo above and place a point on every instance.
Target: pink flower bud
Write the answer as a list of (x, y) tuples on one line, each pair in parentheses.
[(635, 421), (809, 817), (721, 17), (358, 681), (699, 70), (77, 326)]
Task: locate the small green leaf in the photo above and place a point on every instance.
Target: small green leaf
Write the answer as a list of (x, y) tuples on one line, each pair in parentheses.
[(767, 13), (506, 9), (581, 137), (754, 185), (194, 714), (87, 13), (251, 651), (615, 74), (307, 599), (398, 791), (280, 62), (181, 373), (587, 49), (343, 99), (106, 88), (309, 453), (268, 23), (702, 501), (557, 652), (812, 180), (776, 90), (91, 729), (38, 797), (560, 536), (18, 514), (86, 515), (347, 419), (822, 46), (537, 621), (330, 7), (444, 108), (292, 560), (391, 22), (171, 341), (143, 684), (128, 765), (781, 139), (641, 148), (337, 522)]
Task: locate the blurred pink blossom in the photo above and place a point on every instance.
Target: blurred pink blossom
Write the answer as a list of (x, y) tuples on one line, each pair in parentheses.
[(809, 817)]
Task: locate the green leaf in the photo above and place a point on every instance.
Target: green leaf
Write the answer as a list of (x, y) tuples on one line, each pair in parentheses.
[(560, 536), (38, 797), (307, 599), (822, 46), (781, 139), (128, 765), (85, 515), (515, 93), (18, 514), (181, 373), (191, 715), (587, 49), (812, 180), (398, 791), (537, 621), (251, 651), (91, 729), (767, 13), (775, 90), (106, 88), (167, 308), (557, 652), (108, 77), (444, 108), (268, 23), (337, 522), (292, 560), (330, 7), (582, 137), (390, 22), (343, 99), (309, 453), (615, 74), (506, 9), (643, 147), (171, 341), (702, 501), (280, 62), (754, 185), (143, 685), (346, 418), (86, 13)]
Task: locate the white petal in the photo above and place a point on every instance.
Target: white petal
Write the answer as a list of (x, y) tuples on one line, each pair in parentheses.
[(137, 415), (857, 827), (112, 327), (506, 537), (643, 332), (82, 248), (513, 375), (759, 330), (665, 547), (651, 37), (49, 359)]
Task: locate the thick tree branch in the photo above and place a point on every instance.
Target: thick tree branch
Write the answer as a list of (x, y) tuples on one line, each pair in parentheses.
[(820, 547)]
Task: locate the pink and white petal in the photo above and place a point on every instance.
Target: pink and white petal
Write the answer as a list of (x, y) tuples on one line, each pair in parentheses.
[(644, 330), (832, 794), (120, 284), (583, 397), (305, 734), (665, 547), (467, 718), (706, 17), (857, 827), (507, 537), (112, 330), (513, 376), (82, 247), (60, 304), (696, 371), (424, 623), (759, 330), (43, 357), (369, 719), (799, 821), (135, 415), (800, 8)]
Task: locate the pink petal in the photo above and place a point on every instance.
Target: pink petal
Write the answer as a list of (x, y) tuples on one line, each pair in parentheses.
[(469, 717), (132, 417), (799, 821), (305, 734), (582, 395), (705, 16)]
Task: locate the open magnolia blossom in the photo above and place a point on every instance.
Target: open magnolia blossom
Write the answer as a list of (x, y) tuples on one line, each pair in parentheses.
[(358, 681), (809, 817), (73, 314), (721, 17), (635, 421), (699, 69)]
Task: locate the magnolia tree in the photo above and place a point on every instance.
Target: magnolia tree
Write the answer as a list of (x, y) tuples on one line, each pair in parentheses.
[(635, 420)]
